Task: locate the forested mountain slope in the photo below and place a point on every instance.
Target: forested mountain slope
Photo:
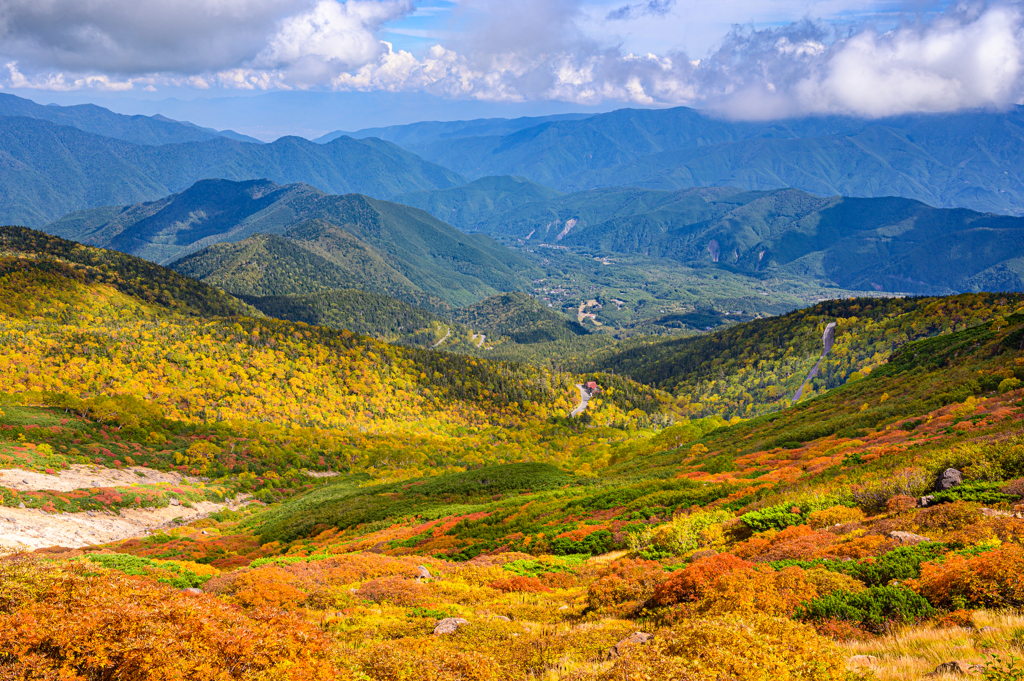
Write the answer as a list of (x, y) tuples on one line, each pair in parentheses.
[(882, 244), (365, 243), (756, 367), (968, 159), (51, 170)]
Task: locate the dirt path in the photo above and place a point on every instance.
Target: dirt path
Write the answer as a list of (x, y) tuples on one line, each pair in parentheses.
[(584, 398), (28, 528), (482, 338)]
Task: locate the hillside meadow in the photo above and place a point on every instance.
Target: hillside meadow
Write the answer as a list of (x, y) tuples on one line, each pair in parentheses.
[(413, 514)]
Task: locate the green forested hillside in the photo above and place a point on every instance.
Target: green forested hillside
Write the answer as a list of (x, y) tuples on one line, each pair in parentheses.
[(362, 312), (52, 170), (371, 244), (30, 250), (757, 367), (474, 207), (883, 244), (520, 317)]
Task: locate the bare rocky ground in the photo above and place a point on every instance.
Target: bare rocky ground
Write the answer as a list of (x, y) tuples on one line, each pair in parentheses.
[(29, 529)]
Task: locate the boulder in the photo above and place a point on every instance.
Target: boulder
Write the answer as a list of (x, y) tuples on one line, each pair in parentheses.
[(175, 502), (907, 538), (501, 618), (637, 638), (192, 590), (449, 625), (423, 573), (950, 478), (926, 501), (956, 667)]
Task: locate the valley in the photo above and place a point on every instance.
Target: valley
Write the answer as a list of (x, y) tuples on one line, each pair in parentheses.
[(511, 398)]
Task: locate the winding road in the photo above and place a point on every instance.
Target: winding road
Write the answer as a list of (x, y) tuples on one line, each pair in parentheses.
[(584, 398), (443, 339)]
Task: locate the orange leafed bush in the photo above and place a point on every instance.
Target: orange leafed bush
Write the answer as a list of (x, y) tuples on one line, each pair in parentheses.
[(108, 626), (519, 584), (835, 515), (991, 579), (624, 581), (394, 590), (797, 542), (900, 503), (267, 587), (692, 582)]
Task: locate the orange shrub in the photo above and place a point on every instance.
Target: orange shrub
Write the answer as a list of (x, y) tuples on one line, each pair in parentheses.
[(836, 515), (991, 579), (394, 590), (267, 587), (692, 582), (112, 625), (624, 581), (900, 503), (797, 542), (519, 584)]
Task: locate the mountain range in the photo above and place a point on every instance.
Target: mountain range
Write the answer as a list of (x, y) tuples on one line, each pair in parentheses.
[(152, 130), (49, 170), (884, 244), (322, 242), (970, 159)]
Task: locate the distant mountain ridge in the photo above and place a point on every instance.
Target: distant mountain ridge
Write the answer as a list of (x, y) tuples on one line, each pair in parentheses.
[(330, 241), (152, 130), (967, 159), (48, 171)]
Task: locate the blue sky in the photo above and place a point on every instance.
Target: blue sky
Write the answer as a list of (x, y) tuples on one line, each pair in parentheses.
[(392, 61)]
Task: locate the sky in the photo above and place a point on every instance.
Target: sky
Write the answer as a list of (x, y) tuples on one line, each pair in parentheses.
[(271, 67)]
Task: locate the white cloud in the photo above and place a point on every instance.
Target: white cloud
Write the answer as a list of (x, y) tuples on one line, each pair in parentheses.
[(970, 56)]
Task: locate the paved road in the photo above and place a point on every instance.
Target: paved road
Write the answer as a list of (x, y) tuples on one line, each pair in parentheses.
[(482, 339), (584, 398), (443, 339)]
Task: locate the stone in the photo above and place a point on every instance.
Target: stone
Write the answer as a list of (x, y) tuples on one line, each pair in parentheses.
[(926, 501), (637, 638), (956, 667), (862, 661), (423, 573), (21, 505), (192, 590), (449, 625), (950, 478), (563, 607), (501, 618), (175, 502), (908, 538)]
